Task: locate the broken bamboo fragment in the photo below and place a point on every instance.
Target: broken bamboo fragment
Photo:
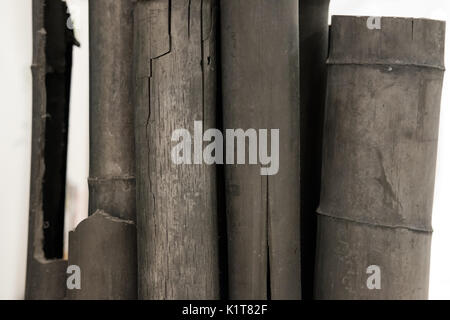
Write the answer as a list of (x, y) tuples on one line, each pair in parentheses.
[(104, 248), (380, 145), (112, 160), (175, 74), (313, 55), (260, 86), (52, 64)]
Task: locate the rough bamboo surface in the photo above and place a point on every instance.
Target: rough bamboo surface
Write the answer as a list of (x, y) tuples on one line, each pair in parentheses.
[(104, 247), (313, 55), (175, 74), (260, 86), (112, 159), (380, 145), (52, 63)]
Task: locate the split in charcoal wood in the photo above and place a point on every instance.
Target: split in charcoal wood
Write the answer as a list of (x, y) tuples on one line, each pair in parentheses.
[(314, 31), (260, 86), (175, 45), (52, 63)]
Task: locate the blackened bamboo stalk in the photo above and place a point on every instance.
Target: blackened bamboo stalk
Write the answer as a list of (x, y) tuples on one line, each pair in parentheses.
[(313, 55), (175, 73), (52, 64), (380, 145), (260, 84), (104, 245)]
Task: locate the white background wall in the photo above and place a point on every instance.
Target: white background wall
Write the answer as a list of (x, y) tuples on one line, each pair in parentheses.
[(15, 140), (78, 152), (15, 134)]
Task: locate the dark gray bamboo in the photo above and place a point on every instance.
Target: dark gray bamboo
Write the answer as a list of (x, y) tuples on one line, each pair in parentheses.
[(52, 63), (175, 61), (260, 83), (112, 160), (380, 145), (104, 247), (313, 55)]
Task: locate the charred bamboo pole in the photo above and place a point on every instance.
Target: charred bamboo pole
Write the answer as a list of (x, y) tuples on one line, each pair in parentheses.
[(52, 64), (175, 74), (313, 55), (104, 245), (104, 248), (260, 86), (380, 145)]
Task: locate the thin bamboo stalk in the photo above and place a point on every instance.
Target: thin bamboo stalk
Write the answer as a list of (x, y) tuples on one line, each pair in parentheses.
[(104, 245), (380, 145)]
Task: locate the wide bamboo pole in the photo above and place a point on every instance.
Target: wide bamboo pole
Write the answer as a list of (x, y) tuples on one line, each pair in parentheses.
[(380, 145), (175, 74), (52, 64), (260, 86), (313, 55), (104, 245)]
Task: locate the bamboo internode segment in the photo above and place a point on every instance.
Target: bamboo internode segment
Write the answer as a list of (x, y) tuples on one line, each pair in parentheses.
[(104, 245), (175, 75), (260, 84), (112, 155), (399, 41), (379, 157)]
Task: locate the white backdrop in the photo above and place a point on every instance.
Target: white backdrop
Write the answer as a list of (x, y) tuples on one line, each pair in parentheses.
[(15, 140), (15, 134)]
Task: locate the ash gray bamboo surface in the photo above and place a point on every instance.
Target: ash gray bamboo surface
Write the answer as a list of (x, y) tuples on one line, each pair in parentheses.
[(380, 145), (175, 73), (105, 251), (104, 247), (112, 160), (52, 63), (313, 55), (260, 84)]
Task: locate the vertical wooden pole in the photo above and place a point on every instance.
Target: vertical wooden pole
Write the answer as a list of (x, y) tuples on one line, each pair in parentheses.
[(313, 55), (104, 245), (52, 63), (380, 145), (260, 84), (175, 74)]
